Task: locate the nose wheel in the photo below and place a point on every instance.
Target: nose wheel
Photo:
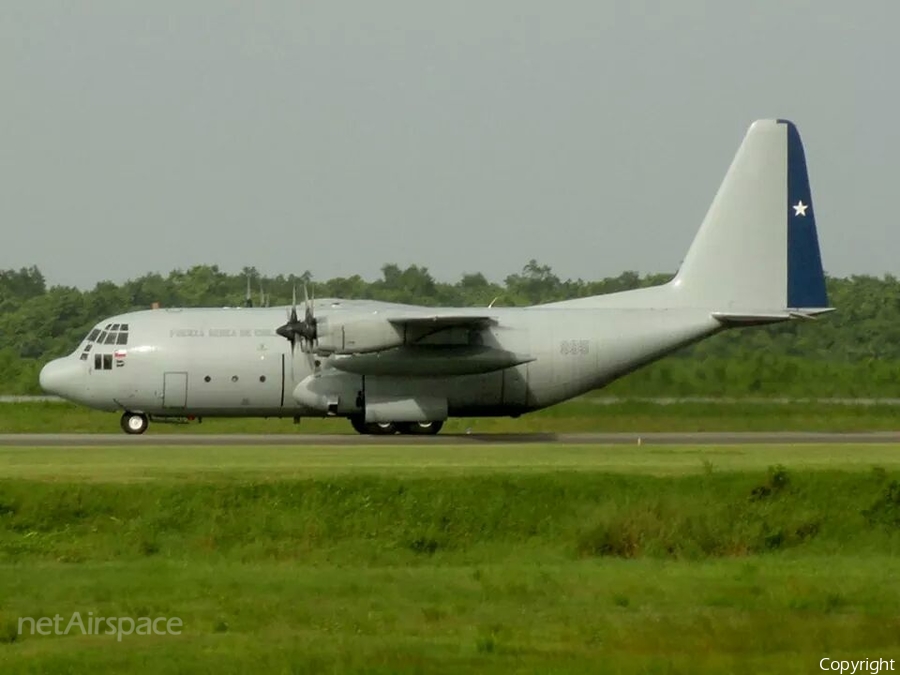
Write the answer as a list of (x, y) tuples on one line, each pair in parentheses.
[(134, 423)]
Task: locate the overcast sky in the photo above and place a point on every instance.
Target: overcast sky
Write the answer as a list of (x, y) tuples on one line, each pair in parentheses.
[(461, 135)]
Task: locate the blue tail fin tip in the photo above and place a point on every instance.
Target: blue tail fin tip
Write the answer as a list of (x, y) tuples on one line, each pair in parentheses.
[(806, 280)]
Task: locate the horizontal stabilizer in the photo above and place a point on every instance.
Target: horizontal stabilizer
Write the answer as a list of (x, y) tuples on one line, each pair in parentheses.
[(759, 319)]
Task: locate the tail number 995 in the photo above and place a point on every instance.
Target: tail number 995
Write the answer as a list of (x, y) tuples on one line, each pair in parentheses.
[(574, 347)]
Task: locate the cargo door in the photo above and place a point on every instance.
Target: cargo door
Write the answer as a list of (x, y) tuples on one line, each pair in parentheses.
[(174, 390)]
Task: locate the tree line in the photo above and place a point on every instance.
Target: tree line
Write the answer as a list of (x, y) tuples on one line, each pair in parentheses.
[(852, 352)]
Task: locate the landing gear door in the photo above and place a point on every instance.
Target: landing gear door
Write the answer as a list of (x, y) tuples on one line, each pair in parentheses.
[(174, 390), (515, 385)]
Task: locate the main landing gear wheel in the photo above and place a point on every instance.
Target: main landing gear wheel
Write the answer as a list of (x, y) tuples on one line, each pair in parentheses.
[(134, 423), (381, 428), (420, 428), (373, 428)]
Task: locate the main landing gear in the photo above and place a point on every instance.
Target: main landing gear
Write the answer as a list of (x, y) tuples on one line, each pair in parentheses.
[(389, 428), (134, 423)]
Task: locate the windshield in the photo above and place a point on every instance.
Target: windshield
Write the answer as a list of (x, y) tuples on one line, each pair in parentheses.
[(110, 334)]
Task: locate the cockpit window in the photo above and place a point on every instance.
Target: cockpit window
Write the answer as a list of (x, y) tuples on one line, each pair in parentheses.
[(114, 334)]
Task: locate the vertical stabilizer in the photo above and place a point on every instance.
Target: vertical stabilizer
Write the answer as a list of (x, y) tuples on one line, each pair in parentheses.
[(757, 249)]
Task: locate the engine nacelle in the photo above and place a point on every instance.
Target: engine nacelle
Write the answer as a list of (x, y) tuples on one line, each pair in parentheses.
[(334, 393), (358, 336)]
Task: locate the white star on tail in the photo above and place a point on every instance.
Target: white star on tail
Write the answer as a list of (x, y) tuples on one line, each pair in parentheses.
[(800, 208)]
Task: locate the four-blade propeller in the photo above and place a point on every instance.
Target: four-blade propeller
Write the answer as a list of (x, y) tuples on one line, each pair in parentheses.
[(306, 331)]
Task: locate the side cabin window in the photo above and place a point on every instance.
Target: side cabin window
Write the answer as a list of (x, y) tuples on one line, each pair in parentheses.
[(103, 361)]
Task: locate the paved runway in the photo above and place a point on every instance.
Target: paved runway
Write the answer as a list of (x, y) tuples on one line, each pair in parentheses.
[(609, 400), (702, 438)]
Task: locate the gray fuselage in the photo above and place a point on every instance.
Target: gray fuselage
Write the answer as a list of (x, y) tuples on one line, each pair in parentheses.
[(231, 362)]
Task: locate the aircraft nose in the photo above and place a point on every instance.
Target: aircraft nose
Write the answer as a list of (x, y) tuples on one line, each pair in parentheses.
[(62, 377)]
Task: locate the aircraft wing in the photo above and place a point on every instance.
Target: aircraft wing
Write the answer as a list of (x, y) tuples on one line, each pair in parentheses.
[(429, 361), (383, 329), (441, 321), (391, 345), (416, 327)]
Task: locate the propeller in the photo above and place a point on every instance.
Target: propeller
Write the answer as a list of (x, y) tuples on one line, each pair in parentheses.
[(311, 323), (248, 299), (306, 331)]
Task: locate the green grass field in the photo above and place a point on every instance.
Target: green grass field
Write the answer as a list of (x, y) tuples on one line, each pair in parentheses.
[(489, 558), (580, 415), (131, 463)]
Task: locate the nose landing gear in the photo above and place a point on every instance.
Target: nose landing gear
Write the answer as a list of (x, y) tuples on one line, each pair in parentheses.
[(134, 423)]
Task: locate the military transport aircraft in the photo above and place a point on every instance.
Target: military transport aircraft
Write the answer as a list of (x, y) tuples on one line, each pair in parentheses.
[(399, 368)]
